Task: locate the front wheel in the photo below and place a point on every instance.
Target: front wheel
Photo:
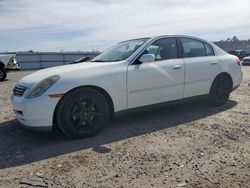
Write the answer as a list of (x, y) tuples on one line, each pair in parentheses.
[(82, 113), (220, 91), (3, 74)]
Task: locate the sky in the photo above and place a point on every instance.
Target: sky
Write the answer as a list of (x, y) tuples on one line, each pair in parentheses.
[(72, 25)]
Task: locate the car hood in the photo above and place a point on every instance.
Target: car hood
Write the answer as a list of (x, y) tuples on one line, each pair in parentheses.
[(5, 58), (30, 80)]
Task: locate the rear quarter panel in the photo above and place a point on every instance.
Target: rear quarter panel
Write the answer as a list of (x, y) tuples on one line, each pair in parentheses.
[(228, 64)]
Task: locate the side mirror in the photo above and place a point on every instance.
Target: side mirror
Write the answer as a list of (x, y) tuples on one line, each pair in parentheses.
[(147, 58)]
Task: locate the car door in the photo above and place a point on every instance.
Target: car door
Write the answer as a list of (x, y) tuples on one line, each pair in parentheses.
[(201, 66), (158, 81)]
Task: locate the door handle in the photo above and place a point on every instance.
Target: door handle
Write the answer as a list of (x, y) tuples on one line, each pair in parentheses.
[(214, 62), (177, 66)]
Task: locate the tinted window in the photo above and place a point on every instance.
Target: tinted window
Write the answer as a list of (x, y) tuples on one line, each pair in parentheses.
[(193, 48), (163, 49), (209, 50)]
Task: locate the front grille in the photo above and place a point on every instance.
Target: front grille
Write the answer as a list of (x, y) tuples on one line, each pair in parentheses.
[(19, 90)]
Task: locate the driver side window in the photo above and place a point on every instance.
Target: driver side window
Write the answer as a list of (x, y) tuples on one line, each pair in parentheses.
[(163, 49)]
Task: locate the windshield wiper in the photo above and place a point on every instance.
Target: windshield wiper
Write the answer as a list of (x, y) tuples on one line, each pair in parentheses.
[(106, 61), (98, 61)]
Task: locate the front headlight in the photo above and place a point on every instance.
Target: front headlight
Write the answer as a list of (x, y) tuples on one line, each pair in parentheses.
[(42, 86)]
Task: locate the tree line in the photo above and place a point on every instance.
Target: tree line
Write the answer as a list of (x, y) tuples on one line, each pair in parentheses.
[(233, 43)]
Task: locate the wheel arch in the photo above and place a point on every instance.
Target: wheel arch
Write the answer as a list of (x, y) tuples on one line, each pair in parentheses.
[(2, 65), (97, 88), (222, 74)]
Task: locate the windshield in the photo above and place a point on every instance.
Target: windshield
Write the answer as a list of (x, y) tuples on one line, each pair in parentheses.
[(121, 51)]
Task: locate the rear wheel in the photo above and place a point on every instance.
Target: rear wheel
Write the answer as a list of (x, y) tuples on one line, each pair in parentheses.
[(82, 113), (220, 90), (2, 74)]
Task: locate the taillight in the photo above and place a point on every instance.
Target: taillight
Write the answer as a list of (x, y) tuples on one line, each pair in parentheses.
[(238, 62)]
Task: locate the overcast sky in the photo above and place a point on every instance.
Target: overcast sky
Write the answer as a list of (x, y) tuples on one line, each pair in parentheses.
[(54, 25)]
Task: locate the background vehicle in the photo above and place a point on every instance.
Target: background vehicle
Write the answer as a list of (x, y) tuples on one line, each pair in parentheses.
[(80, 98), (239, 53), (7, 62), (246, 60)]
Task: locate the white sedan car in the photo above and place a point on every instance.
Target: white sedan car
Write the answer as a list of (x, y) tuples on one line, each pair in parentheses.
[(80, 98)]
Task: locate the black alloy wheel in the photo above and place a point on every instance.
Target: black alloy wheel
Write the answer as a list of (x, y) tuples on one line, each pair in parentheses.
[(220, 90), (82, 113)]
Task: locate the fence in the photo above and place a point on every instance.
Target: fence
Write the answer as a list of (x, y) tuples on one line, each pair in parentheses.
[(35, 60)]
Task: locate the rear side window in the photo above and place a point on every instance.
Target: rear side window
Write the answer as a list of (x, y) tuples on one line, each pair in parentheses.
[(193, 48), (209, 50)]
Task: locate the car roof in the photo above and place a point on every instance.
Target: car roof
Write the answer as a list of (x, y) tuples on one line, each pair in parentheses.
[(167, 35)]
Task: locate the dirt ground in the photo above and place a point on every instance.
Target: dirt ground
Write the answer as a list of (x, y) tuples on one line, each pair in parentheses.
[(188, 144)]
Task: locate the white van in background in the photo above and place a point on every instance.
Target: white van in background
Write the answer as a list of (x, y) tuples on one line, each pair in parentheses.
[(7, 62)]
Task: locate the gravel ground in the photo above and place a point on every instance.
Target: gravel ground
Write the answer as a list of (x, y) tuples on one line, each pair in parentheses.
[(188, 144)]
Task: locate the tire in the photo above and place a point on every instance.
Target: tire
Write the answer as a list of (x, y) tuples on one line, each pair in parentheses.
[(3, 74), (82, 113), (220, 90)]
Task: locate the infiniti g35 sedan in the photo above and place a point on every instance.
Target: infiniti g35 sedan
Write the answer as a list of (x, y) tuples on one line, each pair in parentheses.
[(80, 98)]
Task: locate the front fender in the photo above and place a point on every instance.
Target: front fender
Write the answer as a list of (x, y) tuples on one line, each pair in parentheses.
[(113, 82)]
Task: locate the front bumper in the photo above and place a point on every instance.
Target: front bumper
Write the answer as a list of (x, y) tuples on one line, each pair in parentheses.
[(246, 63), (36, 113)]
